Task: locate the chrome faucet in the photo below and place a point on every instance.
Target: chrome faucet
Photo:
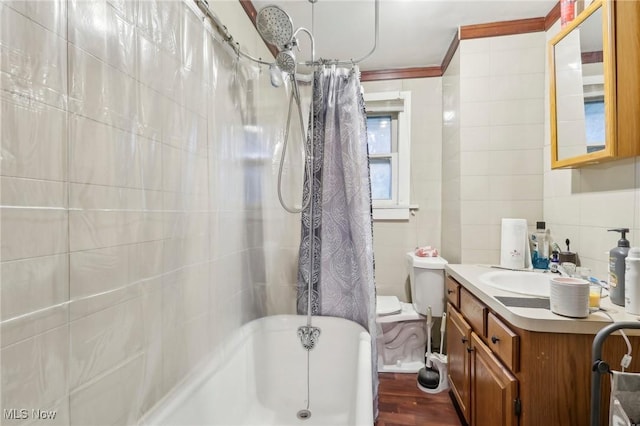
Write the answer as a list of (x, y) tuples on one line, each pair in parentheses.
[(559, 269)]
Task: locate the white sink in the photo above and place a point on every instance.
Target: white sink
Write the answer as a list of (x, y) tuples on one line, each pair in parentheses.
[(529, 283)]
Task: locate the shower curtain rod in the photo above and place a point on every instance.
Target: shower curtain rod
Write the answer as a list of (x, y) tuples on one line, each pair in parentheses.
[(203, 5)]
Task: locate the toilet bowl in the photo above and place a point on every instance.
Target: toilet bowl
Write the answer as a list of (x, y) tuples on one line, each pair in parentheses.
[(402, 332)]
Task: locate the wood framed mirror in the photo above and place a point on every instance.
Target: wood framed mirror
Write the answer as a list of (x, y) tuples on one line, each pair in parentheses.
[(595, 84), (582, 89)]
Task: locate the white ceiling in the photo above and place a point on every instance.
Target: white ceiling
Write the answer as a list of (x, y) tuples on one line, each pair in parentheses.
[(413, 33)]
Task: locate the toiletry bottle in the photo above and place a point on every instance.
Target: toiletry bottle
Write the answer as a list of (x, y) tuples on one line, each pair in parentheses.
[(617, 266), (554, 262), (542, 240), (632, 282)]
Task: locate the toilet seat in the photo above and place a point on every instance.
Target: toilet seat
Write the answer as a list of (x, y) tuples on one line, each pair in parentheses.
[(391, 309), (387, 305)]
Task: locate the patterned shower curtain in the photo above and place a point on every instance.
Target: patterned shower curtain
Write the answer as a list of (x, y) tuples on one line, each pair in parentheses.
[(338, 219)]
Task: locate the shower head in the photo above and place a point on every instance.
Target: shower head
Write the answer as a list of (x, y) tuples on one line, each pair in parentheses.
[(275, 26), (286, 61)]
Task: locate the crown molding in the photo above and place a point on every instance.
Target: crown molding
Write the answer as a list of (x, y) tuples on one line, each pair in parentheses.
[(552, 17), (450, 52), (400, 73)]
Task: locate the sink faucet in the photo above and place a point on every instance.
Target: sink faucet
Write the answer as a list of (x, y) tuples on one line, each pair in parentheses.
[(559, 269)]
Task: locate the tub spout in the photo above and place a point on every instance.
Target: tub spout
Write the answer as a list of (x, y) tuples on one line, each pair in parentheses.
[(308, 336)]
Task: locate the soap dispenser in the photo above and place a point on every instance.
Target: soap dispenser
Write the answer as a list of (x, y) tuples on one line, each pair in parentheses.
[(617, 257)]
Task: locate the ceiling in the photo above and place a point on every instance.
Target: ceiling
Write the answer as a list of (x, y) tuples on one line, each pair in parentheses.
[(413, 33)]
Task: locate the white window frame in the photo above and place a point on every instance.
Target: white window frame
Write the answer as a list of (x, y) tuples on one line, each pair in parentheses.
[(398, 208)]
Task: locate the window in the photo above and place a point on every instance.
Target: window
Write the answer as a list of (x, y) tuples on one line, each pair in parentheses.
[(383, 155), (594, 124), (388, 133)]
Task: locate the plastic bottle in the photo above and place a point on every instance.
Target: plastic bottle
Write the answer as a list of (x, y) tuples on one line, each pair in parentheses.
[(632, 282), (542, 234), (567, 11), (555, 261), (617, 266), (541, 260)]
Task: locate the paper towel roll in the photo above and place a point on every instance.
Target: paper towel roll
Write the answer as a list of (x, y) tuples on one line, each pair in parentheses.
[(514, 244)]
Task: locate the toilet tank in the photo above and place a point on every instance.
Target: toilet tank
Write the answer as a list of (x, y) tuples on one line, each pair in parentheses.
[(426, 276)]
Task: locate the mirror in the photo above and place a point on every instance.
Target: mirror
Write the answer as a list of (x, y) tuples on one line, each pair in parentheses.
[(581, 102)]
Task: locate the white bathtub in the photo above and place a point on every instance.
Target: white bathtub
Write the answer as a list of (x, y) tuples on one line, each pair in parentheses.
[(259, 378)]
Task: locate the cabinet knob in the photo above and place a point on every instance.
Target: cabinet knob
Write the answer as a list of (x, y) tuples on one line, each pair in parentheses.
[(464, 340), (469, 349), (494, 340), (449, 291)]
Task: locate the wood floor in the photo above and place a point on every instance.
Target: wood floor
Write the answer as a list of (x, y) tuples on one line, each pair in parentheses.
[(401, 403)]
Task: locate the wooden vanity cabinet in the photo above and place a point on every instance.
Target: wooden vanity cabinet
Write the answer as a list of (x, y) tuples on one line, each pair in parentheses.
[(505, 376)]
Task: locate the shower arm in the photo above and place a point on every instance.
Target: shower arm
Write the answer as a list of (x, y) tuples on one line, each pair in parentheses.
[(313, 43)]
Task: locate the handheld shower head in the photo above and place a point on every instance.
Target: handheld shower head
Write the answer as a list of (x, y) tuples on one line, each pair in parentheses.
[(286, 61), (275, 26)]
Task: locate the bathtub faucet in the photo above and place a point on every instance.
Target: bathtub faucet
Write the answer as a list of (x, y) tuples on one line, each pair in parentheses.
[(308, 336)]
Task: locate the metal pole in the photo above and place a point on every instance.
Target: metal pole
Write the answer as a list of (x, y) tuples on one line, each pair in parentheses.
[(599, 367)]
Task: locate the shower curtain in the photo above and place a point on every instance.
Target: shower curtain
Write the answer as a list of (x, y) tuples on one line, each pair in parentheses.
[(338, 218)]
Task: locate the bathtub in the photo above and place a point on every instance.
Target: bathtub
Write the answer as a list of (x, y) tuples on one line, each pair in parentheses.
[(259, 378)]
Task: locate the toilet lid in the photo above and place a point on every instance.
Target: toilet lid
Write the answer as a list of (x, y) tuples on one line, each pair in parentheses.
[(427, 262), (387, 305)]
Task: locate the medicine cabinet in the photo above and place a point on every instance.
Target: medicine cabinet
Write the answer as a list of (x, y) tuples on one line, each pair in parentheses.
[(595, 85)]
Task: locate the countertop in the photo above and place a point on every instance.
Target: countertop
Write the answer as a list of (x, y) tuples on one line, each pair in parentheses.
[(534, 319)]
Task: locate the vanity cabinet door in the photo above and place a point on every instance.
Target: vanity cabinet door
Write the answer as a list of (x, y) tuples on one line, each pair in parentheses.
[(458, 344), (494, 389)]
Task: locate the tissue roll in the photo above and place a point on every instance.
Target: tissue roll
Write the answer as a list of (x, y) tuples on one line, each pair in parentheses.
[(513, 245)]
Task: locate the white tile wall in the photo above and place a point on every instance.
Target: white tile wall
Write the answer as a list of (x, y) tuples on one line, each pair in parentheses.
[(136, 235), (114, 45), (501, 109), (34, 140), (32, 284), (35, 371), (452, 144), (100, 341), (112, 399), (44, 79), (392, 239), (32, 232)]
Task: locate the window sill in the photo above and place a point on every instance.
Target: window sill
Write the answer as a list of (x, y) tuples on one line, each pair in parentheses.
[(393, 212)]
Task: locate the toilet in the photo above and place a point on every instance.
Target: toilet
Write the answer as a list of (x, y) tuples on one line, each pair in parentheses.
[(402, 331)]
